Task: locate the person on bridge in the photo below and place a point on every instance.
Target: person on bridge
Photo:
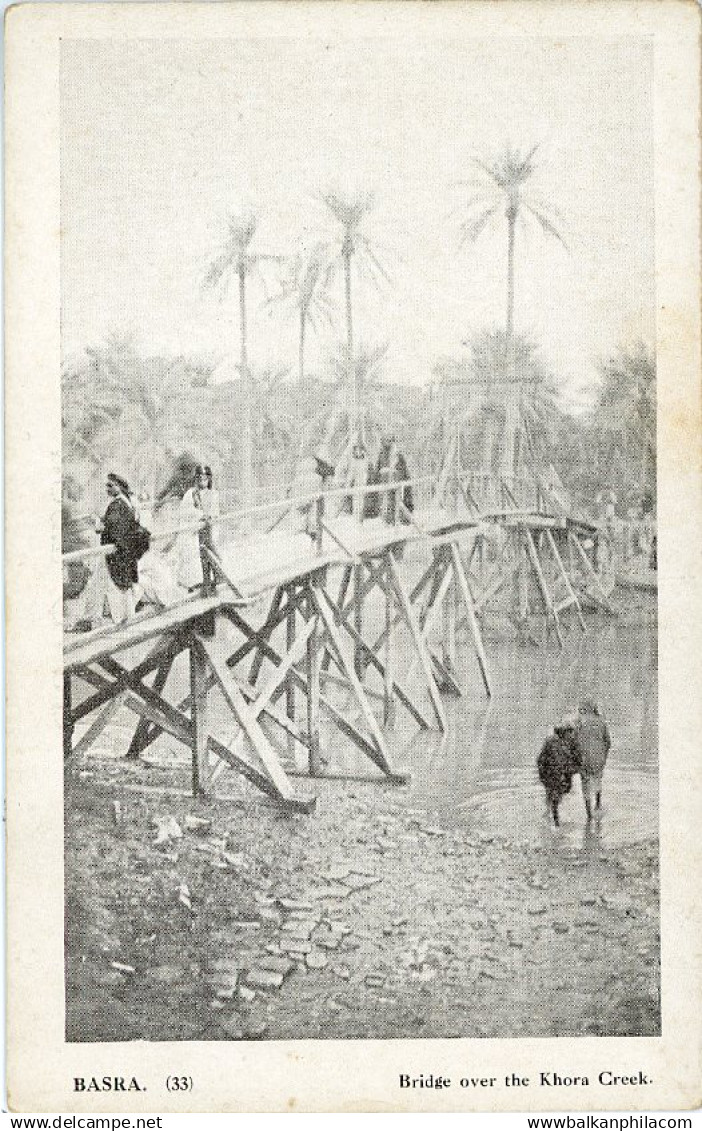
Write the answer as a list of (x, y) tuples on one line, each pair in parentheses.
[(200, 503), (120, 528)]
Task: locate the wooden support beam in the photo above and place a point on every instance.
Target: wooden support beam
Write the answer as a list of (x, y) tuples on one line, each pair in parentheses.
[(311, 639), (600, 595), (412, 623), (326, 610), (358, 598), (122, 678), (247, 720), (257, 662), (131, 680), (255, 637), (357, 737), (445, 678), (566, 580), (269, 711), (388, 681), (550, 607), (374, 661), (68, 719), (198, 699), (448, 630), (295, 803), (142, 731), (397, 617), (171, 722), (279, 674), (219, 568), (343, 590), (290, 685), (97, 726), (463, 590)]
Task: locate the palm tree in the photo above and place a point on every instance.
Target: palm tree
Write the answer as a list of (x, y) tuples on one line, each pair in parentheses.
[(502, 184), (626, 409), (236, 258), (337, 425), (514, 416), (134, 411), (350, 212), (305, 289)]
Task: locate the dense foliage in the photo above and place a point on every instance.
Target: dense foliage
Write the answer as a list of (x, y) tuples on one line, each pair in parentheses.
[(137, 413)]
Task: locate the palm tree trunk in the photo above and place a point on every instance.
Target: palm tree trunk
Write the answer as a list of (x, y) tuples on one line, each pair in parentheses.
[(246, 438), (352, 381), (509, 429), (511, 223)]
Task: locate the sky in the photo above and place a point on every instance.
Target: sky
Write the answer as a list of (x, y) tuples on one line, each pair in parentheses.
[(162, 141)]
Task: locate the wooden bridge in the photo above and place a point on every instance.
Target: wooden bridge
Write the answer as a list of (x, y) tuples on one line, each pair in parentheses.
[(289, 620)]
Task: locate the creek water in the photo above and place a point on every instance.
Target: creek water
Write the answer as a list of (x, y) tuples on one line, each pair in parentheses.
[(483, 771)]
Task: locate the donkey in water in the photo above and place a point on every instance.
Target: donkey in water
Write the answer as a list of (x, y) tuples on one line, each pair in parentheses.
[(558, 762)]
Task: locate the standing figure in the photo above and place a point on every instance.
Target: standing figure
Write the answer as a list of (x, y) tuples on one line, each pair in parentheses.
[(209, 501), (192, 541), (358, 478), (157, 583), (387, 473), (402, 474), (558, 762), (119, 528), (307, 482), (593, 743)]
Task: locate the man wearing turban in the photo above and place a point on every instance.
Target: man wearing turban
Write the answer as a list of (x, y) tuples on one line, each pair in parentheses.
[(119, 528)]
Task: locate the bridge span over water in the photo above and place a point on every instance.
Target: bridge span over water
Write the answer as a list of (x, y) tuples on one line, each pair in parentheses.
[(372, 606)]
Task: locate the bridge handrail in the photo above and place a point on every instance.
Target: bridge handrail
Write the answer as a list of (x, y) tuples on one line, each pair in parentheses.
[(229, 518)]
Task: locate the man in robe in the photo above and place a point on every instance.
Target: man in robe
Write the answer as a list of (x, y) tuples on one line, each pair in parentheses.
[(118, 528)]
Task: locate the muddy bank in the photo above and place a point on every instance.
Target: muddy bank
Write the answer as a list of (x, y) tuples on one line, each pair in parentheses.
[(367, 919)]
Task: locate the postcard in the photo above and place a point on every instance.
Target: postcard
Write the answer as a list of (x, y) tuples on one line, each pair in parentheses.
[(354, 518)]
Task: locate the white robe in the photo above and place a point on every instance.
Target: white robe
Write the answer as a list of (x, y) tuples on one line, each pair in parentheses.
[(189, 563)]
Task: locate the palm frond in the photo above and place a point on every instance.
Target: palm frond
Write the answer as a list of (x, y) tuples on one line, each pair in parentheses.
[(546, 224), (217, 269), (470, 230), (348, 210)]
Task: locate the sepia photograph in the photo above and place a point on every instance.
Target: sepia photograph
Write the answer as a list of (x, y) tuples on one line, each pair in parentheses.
[(353, 539), (358, 385)]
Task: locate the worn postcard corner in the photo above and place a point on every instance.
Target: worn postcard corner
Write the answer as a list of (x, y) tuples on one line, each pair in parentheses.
[(354, 522)]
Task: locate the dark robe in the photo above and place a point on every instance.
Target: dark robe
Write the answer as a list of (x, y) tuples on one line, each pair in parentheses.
[(119, 528), (402, 473)]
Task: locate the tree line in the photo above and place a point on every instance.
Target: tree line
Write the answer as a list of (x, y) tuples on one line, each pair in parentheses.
[(140, 411)]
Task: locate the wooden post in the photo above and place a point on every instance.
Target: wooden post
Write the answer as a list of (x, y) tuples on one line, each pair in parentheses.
[(448, 643), (198, 699), (410, 618), (388, 682), (142, 730), (463, 591), (343, 590), (313, 669), (358, 615), (290, 686), (67, 716), (318, 520)]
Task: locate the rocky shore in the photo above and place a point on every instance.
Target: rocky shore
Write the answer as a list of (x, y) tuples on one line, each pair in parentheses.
[(227, 920)]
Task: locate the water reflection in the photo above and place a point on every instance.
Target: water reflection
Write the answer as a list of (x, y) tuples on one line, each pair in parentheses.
[(483, 771)]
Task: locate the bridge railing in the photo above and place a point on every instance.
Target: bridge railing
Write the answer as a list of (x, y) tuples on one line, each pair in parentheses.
[(312, 513)]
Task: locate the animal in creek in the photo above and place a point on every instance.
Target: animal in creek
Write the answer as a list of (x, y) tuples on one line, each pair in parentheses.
[(558, 763), (593, 741)]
